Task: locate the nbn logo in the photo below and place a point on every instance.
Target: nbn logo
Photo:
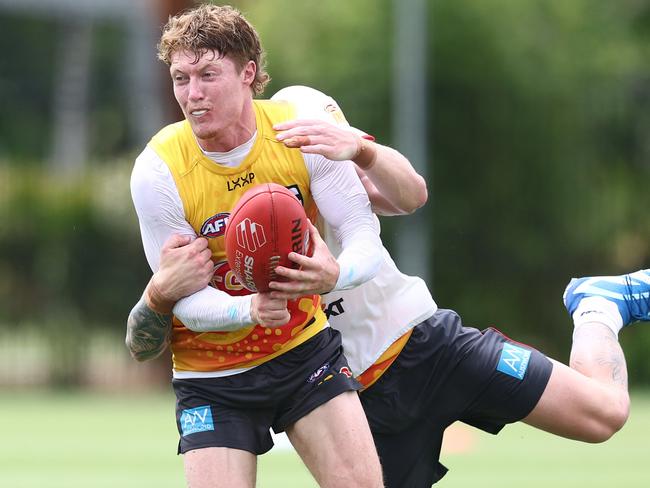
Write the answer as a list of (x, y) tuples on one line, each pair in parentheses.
[(197, 419), (514, 361)]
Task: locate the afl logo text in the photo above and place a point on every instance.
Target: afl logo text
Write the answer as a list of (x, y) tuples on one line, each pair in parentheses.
[(215, 226)]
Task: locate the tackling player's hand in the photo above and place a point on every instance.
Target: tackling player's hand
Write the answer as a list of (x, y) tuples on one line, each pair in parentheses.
[(319, 137), (185, 268), (269, 311), (317, 274)]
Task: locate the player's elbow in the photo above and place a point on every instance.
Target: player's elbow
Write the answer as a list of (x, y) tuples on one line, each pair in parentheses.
[(616, 419), (133, 351), (416, 196), (142, 349), (139, 357), (611, 418), (421, 195), (142, 356)]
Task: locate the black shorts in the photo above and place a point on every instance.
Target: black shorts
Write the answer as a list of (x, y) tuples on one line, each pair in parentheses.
[(237, 411), (447, 372)]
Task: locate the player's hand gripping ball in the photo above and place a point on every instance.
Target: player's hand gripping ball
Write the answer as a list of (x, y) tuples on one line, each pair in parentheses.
[(266, 225)]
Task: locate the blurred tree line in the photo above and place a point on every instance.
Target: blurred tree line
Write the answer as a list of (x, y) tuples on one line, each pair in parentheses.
[(539, 124)]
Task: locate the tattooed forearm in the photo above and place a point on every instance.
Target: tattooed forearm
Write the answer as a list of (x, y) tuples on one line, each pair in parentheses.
[(596, 353), (613, 358), (147, 332)]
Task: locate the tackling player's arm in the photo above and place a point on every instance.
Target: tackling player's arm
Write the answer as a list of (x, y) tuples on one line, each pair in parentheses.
[(185, 267), (393, 185)]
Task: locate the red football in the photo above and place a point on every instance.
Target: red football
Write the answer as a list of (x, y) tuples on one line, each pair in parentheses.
[(267, 224)]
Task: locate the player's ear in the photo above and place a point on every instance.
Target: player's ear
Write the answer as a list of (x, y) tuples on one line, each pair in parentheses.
[(248, 72)]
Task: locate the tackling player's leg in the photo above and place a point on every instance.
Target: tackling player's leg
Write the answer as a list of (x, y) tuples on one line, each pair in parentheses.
[(590, 401), (616, 301)]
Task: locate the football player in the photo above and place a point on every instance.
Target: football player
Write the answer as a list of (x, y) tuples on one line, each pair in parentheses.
[(243, 363)]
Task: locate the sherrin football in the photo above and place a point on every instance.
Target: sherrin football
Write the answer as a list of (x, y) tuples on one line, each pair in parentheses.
[(266, 224)]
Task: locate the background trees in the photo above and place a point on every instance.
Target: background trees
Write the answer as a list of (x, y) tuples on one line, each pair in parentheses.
[(537, 135)]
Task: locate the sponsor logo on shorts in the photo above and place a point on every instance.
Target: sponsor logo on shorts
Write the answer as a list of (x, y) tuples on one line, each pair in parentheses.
[(346, 371), (197, 419), (514, 361), (318, 373), (327, 378)]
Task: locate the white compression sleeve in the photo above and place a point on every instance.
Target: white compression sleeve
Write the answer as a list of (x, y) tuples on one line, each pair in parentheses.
[(344, 204), (211, 310)]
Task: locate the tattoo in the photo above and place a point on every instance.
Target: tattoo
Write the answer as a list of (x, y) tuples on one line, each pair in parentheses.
[(607, 353), (147, 333), (614, 359)]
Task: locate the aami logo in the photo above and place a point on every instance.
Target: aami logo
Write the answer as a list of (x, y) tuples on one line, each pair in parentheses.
[(215, 226), (240, 182), (514, 361), (250, 235), (318, 373), (334, 308), (225, 280), (197, 419)]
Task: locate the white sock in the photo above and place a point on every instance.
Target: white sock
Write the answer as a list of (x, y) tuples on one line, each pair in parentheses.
[(598, 310)]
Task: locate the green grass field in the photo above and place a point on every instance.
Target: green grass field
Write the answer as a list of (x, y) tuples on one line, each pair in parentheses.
[(57, 440)]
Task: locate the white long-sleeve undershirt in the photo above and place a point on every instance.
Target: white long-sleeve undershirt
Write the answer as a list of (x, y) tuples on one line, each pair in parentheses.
[(336, 189)]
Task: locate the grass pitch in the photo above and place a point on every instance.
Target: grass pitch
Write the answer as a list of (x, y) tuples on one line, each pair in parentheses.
[(59, 440)]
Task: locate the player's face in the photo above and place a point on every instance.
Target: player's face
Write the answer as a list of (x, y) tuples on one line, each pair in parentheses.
[(215, 97)]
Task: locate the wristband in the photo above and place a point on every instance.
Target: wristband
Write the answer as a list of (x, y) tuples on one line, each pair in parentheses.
[(366, 155), (156, 300)]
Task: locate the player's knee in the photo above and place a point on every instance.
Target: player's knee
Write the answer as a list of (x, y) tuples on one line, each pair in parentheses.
[(359, 478), (367, 475)]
